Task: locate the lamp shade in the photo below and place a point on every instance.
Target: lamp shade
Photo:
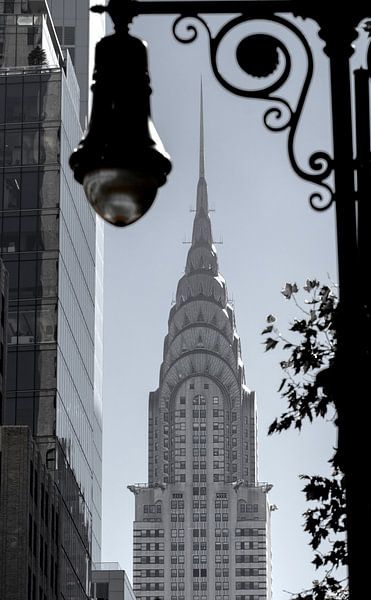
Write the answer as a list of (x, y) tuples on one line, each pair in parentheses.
[(121, 161)]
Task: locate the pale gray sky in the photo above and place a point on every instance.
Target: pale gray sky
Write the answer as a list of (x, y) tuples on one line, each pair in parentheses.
[(271, 235)]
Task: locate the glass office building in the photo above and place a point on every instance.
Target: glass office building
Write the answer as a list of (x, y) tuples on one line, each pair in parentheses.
[(48, 242), (78, 31)]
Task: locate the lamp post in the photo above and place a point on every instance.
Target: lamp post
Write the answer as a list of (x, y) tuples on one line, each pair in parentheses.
[(342, 178), (120, 161)]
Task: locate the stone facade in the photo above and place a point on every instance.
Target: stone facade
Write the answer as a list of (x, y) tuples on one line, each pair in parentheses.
[(29, 520)]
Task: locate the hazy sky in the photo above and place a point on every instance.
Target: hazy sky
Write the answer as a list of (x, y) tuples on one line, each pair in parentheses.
[(270, 235)]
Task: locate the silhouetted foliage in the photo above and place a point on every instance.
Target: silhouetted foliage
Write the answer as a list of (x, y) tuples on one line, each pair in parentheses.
[(37, 56), (306, 385)]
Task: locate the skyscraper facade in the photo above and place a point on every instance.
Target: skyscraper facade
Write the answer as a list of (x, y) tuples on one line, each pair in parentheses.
[(202, 523), (78, 31), (49, 245)]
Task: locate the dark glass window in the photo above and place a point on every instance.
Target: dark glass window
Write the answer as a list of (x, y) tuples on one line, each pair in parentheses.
[(32, 33), (12, 190), (30, 146), (2, 102), (25, 369), (9, 6), (69, 36), (28, 237), (30, 189), (27, 278), (21, 326), (14, 103), (13, 148), (13, 269), (2, 148), (11, 379), (10, 235), (31, 102), (101, 591)]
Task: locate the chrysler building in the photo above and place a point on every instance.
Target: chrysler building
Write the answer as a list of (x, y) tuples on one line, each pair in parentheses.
[(202, 522)]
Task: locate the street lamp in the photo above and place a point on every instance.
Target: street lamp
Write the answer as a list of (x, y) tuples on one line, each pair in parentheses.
[(121, 161), (342, 179)]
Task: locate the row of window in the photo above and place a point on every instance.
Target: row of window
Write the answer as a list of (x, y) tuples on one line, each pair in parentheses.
[(28, 189), (201, 413), (177, 504), (197, 558), (249, 558), (152, 508), (177, 585), (149, 573), (152, 597), (199, 477), (150, 586), (177, 573), (219, 546), (153, 546), (249, 597), (177, 558), (248, 532), (30, 99), (245, 507), (148, 533), (222, 585), (247, 545), (245, 585), (240, 558), (199, 585), (29, 146), (149, 560)]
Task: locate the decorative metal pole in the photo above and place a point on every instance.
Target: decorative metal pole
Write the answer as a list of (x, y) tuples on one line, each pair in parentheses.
[(349, 165), (350, 367)]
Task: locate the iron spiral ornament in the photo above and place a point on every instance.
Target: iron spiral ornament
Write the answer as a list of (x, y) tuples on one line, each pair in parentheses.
[(267, 59)]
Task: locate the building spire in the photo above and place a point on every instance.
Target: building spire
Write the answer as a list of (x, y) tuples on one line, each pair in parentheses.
[(202, 144), (202, 254), (202, 203)]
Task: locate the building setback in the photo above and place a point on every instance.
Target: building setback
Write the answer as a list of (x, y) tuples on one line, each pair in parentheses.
[(202, 523), (110, 582), (48, 245)]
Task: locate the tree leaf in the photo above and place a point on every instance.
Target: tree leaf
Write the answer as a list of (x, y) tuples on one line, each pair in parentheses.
[(270, 343)]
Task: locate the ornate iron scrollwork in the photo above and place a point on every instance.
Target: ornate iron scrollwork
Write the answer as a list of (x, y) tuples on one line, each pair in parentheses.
[(267, 58)]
